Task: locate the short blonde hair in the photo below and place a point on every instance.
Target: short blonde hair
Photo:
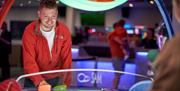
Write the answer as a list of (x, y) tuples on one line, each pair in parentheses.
[(51, 4)]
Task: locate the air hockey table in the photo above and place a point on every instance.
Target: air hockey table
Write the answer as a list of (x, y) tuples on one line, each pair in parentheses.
[(96, 79), (91, 80)]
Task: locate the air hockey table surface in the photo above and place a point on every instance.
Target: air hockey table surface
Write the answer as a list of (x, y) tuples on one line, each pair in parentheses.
[(92, 80)]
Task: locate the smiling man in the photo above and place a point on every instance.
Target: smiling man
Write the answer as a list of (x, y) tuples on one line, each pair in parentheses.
[(47, 46)]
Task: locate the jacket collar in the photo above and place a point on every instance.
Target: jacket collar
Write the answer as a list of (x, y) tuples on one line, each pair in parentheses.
[(37, 27)]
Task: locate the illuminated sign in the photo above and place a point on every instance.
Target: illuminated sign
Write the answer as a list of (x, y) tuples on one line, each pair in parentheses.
[(93, 5), (93, 78)]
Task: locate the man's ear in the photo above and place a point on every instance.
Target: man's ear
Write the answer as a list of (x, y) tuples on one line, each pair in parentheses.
[(38, 12), (1, 31)]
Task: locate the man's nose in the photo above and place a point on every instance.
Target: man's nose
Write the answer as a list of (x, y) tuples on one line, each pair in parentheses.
[(50, 20)]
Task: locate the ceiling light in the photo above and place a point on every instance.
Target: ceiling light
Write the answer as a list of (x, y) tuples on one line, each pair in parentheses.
[(29, 2), (151, 2), (21, 4), (57, 2), (131, 5), (89, 5)]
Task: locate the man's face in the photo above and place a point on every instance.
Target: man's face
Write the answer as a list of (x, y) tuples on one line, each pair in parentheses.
[(48, 17)]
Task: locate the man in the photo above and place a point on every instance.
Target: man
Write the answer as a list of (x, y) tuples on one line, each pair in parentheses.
[(47, 46), (5, 51), (117, 52), (149, 42)]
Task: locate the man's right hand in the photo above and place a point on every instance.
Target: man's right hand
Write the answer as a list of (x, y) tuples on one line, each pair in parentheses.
[(117, 40), (43, 83), (44, 86)]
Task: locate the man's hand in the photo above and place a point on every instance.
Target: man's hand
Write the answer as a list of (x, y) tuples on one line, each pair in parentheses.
[(116, 39), (44, 86), (43, 83)]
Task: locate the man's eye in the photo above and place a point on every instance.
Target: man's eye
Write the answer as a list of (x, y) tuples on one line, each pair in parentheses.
[(45, 17), (53, 17)]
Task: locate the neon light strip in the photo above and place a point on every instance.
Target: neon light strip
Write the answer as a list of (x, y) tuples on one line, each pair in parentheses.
[(92, 6), (70, 70), (142, 53), (166, 17), (5, 9), (74, 50)]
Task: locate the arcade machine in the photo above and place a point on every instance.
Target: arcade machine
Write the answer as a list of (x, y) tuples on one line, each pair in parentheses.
[(86, 79)]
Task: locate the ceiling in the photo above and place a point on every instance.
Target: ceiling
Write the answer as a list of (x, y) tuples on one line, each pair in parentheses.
[(136, 3)]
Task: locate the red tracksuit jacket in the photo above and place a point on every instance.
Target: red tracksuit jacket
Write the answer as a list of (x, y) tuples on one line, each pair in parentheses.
[(116, 50), (10, 85), (36, 55)]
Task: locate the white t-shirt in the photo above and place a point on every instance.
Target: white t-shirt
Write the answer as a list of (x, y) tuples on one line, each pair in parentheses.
[(161, 41), (49, 37)]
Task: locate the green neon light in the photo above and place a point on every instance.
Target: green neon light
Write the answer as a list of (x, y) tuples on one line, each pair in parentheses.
[(92, 6)]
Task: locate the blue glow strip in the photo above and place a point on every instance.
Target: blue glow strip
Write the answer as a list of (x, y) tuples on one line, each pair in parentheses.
[(142, 53), (74, 50), (166, 17)]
